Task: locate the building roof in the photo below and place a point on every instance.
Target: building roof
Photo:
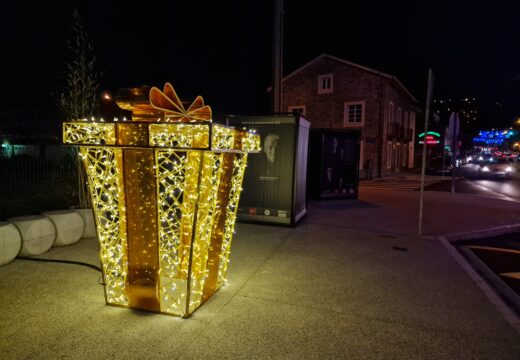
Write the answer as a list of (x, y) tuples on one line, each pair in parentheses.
[(393, 79)]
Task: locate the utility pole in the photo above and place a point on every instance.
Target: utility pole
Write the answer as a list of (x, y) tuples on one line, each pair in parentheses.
[(429, 93), (277, 56)]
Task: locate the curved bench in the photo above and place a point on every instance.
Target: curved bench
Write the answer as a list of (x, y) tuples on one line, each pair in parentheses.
[(37, 232), (88, 219), (10, 242), (69, 226)]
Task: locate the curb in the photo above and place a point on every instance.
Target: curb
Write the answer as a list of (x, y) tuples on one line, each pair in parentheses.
[(480, 234), (447, 241)]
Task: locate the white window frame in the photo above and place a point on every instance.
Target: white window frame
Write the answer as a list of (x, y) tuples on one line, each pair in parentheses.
[(294, 107), (322, 90), (346, 106)]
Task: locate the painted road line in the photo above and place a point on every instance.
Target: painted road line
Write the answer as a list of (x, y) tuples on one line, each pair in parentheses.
[(495, 194)]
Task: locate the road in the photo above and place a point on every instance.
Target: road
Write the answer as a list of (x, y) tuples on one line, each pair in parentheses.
[(500, 189), (508, 189), (503, 189), (467, 183)]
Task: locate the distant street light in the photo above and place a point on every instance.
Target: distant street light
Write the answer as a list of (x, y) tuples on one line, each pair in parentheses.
[(107, 96)]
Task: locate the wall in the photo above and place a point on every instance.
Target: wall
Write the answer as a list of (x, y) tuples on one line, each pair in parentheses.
[(327, 110)]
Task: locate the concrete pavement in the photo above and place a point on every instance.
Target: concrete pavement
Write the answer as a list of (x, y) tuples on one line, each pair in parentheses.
[(352, 281), (398, 212)]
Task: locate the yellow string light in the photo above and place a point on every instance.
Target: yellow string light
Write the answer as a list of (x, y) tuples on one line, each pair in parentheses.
[(165, 197)]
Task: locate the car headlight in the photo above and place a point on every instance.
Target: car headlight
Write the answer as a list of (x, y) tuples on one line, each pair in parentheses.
[(469, 158), (509, 169), (480, 158), (485, 168)]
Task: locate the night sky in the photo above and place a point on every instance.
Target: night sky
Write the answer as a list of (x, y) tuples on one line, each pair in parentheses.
[(222, 49)]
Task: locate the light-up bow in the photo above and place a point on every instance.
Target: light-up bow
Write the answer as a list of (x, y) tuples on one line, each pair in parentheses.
[(169, 102)]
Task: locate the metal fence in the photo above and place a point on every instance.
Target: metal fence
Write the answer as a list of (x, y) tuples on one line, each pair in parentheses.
[(30, 185)]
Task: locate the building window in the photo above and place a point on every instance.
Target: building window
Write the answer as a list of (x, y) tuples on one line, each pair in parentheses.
[(354, 114), (325, 84), (397, 157), (301, 109), (361, 154), (404, 158), (389, 155), (399, 114), (412, 142), (410, 155), (390, 117)]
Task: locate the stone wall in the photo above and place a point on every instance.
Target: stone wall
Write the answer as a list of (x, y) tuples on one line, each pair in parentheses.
[(350, 84)]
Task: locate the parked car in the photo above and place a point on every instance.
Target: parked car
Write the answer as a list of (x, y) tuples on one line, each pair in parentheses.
[(439, 166), (496, 168)]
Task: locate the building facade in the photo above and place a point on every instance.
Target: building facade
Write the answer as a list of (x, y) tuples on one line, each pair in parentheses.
[(335, 93), (30, 133)]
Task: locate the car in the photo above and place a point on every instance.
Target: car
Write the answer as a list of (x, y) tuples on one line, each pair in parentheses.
[(472, 158), (495, 168), (439, 166)]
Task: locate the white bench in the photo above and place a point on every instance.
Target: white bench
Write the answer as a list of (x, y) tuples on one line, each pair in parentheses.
[(69, 226), (37, 232), (10, 242), (88, 219)]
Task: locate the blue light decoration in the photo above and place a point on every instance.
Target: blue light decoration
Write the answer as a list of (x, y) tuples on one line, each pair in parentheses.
[(494, 137)]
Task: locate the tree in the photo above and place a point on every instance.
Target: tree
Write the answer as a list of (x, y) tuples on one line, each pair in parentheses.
[(77, 98)]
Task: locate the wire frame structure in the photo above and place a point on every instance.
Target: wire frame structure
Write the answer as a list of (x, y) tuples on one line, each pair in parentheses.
[(165, 189)]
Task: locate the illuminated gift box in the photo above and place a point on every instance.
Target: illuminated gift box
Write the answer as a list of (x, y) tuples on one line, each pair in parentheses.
[(165, 189)]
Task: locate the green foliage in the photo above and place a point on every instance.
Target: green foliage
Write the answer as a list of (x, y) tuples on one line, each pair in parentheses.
[(77, 98)]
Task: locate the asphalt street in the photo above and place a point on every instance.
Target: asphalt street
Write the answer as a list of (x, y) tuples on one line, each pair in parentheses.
[(469, 183)]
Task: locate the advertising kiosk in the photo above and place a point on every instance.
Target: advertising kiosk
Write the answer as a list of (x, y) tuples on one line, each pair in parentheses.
[(276, 179), (333, 164)]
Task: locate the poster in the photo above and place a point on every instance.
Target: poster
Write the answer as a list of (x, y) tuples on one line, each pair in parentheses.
[(267, 194), (339, 165), (334, 164)]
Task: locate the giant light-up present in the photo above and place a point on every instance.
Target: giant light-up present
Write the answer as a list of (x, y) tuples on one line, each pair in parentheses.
[(165, 189)]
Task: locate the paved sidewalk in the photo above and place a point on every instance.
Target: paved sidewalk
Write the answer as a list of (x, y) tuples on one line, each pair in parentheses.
[(397, 212), (341, 285)]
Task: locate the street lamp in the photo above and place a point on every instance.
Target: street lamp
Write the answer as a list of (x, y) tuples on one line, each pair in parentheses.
[(106, 96)]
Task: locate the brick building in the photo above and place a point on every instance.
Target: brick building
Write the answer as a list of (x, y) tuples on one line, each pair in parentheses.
[(335, 93)]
